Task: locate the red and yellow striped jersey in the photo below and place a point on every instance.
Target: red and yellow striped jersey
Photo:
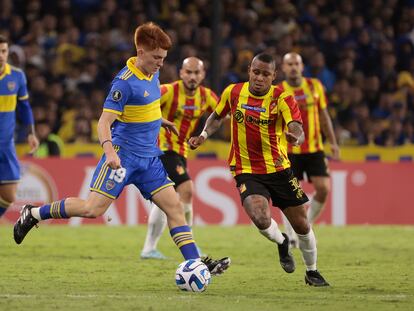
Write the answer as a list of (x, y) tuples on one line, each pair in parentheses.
[(185, 111), (258, 123), (311, 99)]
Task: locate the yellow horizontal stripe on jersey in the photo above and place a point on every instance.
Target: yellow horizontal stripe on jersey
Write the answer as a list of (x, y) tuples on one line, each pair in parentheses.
[(8, 103), (142, 113), (113, 111)]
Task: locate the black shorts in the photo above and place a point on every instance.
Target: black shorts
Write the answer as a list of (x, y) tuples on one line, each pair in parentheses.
[(313, 164), (282, 187), (176, 167)]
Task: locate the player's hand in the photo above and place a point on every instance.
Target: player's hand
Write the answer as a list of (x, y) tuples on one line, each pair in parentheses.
[(113, 160), (292, 138), (196, 141), (33, 142), (335, 152), (169, 126)]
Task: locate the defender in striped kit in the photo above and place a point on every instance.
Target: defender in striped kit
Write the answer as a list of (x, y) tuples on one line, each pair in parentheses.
[(309, 158), (264, 119)]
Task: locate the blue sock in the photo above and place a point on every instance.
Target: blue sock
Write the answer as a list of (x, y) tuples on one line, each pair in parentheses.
[(183, 238), (54, 210)]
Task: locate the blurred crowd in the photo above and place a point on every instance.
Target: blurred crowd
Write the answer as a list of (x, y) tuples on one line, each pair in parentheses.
[(362, 51)]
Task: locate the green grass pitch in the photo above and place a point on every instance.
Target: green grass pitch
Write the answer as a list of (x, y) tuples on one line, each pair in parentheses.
[(98, 268)]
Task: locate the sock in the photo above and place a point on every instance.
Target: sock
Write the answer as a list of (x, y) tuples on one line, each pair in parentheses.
[(55, 210), (273, 233), (3, 206), (183, 238), (157, 220), (314, 210), (307, 245), (289, 229), (188, 211)]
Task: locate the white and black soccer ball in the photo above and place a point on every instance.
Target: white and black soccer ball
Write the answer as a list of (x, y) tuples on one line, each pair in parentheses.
[(192, 276)]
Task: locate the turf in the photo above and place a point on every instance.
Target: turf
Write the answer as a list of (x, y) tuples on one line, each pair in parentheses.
[(98, 268)]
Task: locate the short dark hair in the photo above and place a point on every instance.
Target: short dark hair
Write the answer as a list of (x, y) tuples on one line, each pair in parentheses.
[(3, 39), (265, 58)]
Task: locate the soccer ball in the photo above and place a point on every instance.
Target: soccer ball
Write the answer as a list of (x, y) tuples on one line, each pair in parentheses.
[(192, 276)]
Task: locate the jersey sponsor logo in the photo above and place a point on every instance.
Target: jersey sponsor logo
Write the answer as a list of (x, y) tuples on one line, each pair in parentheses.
[(146, 94), (301, 97), (251, 119), (247, 107), (188, 107), (239, 116), (11, 85), (116, 95)]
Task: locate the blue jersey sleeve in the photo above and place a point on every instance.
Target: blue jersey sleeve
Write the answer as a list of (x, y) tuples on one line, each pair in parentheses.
[(118, 96), (22, 92)]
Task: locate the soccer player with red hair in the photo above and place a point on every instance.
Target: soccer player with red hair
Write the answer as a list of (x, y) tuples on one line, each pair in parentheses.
[(128, 132)]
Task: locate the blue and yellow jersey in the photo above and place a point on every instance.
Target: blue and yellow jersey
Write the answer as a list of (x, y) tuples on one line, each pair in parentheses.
[(135, 98), (13, 93)]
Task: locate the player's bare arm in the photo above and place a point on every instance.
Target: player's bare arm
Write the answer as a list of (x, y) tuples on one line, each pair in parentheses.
[(32, 139), (105, 138), (213, 123), (329, 133), (169, 126), (295, 134)]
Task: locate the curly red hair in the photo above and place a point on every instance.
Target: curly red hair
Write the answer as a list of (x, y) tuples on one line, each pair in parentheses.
[(151, 37)]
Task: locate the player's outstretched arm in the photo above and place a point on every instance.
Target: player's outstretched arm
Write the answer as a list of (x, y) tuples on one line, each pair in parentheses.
[(213, 123), (295, 134)]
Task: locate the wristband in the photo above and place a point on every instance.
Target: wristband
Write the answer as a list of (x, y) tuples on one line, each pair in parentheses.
[(204, 134), (105, 141)]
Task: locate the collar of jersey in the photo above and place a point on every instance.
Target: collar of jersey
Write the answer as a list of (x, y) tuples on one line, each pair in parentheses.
[(181, 85), (301, 86), (131, 66), (262, 96), (7, 71)]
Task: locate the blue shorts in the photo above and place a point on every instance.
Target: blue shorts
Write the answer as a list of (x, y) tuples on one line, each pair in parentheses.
[(147, 174), (9, 166)]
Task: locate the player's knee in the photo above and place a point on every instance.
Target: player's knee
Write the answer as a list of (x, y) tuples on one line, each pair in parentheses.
[(92, 210), (8, 199), (301, 226), (173, 209)]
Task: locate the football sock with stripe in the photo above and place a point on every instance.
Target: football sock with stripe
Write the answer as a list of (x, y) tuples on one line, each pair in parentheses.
[(183, 238), (55, 210)]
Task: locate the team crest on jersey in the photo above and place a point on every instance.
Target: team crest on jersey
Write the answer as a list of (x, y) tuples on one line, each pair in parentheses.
[(116, 95), (110, 184), (272, 106), (11, 85), (180, 170)]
